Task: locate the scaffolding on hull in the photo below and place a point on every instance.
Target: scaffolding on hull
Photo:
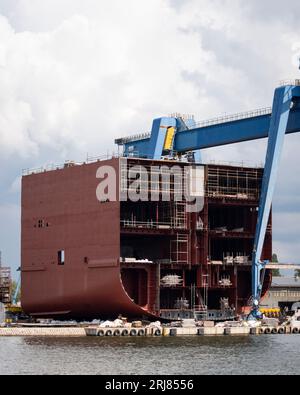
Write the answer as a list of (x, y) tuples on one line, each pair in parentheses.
[(237, 183)]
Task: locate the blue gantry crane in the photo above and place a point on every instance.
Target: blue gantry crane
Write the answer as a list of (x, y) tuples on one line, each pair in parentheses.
[(177, 137)]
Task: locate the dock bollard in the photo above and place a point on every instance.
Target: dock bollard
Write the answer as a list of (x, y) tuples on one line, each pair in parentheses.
[(149, 331), (166, 331), (254, 331)]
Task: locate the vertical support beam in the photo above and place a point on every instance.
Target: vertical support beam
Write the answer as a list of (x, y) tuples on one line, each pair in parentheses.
[(279, 122), (236, 287), (197, 156), (158, 277)]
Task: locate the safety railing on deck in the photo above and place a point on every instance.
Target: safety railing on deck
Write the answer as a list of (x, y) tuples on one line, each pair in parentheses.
[(133, 224), (241, 164), (67, 164)]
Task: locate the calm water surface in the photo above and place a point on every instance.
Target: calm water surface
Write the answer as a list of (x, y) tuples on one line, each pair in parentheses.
[(171, 356)]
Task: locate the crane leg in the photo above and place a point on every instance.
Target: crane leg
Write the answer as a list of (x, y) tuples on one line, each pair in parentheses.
[(279, 122), (158, 137)]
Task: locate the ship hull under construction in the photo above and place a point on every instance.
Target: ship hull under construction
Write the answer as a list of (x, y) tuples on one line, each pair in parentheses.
[(86, 256)]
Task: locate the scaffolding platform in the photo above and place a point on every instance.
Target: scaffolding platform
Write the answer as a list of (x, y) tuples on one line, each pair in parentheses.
[(5, 285)]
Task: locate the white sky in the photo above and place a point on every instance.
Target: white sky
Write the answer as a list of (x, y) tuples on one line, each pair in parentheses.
[(76, 74)]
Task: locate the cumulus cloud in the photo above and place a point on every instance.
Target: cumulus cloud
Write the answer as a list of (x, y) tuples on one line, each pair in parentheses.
[(74, 75), (78, 74), (89, 79), (95, 74)]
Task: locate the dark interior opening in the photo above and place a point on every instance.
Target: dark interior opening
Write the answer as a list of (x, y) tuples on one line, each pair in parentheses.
[(232, 247), (232, 218), (148, 247), (135, 282), (214, 299), (169, 298), (61, 258), (244, 279), (191, 277)]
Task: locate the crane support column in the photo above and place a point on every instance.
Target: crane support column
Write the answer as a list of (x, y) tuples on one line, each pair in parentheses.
[(279, 122), (158, 136)]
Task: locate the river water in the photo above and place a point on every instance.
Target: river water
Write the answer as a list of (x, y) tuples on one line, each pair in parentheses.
[(170, 356)]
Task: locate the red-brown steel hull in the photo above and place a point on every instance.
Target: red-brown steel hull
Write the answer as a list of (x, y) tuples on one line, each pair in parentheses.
[(60, 212)]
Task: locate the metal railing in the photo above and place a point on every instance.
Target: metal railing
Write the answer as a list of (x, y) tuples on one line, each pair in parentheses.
[(242, 164), (237, 193), (290, 83), (234, 117), (153, 225), (43, 169), (130, 139), (204, 123), (101, 158), (67, 164)]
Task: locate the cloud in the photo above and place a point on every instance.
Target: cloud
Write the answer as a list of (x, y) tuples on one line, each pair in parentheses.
[(83, 82), (75, 75), (93, 77)]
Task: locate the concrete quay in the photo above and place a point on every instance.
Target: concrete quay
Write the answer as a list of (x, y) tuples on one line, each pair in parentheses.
[(95, 331), (42, 332)]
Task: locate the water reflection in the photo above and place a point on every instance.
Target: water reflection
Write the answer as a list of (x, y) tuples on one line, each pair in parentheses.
[(198, 355)]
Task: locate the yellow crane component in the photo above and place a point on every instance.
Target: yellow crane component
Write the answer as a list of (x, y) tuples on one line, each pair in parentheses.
[(13, 309), (271, 313), (275, 310), (169, 139)]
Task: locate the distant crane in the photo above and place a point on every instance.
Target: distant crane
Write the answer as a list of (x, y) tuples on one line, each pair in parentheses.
[(5, 283), (13, 309), (8, 296), (15, 295)]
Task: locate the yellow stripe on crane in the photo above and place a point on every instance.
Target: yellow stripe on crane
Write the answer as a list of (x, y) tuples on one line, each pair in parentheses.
[(169, 139)]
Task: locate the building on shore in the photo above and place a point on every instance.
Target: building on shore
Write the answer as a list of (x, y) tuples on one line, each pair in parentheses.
[(5, 284), (284, 292)]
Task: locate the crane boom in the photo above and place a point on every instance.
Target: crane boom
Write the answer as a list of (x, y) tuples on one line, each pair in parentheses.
[(219, 134), (231, 132)]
